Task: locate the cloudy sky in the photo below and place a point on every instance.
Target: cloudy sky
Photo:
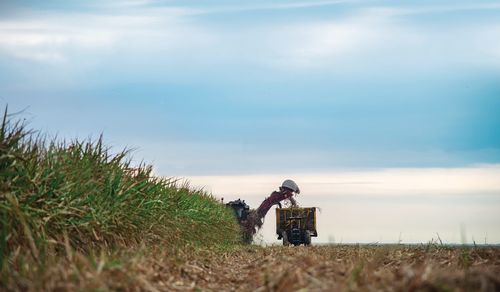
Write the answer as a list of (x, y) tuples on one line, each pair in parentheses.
[(345, 92)]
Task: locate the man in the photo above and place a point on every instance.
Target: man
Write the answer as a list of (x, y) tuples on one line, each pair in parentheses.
[(287, 190), (255, 218)]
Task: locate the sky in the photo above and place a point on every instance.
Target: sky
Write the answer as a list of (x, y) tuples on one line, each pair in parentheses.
[(404, 95)]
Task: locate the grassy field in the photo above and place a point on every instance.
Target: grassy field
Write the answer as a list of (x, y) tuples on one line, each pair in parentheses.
[(78, 200), (253, 268), (75, 217), (347, 268)]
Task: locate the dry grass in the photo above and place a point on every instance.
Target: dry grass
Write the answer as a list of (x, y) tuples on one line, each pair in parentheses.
[(353, 268), (251, 268)]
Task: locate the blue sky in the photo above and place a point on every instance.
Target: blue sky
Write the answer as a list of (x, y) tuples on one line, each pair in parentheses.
[(386, 113), (224, 87)]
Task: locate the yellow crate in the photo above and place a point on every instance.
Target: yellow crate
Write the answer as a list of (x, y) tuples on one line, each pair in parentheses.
[(301, 218)]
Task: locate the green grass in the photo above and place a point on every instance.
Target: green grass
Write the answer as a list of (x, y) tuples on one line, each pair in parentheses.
[(56, 196)]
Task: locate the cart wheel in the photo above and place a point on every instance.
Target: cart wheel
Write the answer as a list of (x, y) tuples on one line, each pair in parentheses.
[(307, 238), (285, 239)]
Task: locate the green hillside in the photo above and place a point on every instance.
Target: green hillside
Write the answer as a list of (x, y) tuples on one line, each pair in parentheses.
[(56, 195)]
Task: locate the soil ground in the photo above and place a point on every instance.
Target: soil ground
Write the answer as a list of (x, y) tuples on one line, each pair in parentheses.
[(277, 268), (343, 268)]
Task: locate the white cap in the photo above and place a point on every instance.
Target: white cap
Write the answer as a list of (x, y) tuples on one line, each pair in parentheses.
[(290, 184)]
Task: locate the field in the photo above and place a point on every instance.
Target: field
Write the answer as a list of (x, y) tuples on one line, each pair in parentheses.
[(79, 200), (253, 268), (76, 217), (350, 267)]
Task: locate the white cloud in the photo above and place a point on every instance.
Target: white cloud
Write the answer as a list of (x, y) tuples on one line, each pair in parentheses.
[(55, 36), (128, 3), (323, 44), (320, 43), (364, 37), (271, 6), (51, 44), (391, 181), (382, 37), (488, 42), (44, 41), (437, 8)]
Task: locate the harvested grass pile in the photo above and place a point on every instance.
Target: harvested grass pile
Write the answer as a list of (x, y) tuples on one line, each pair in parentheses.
[(59, 195)]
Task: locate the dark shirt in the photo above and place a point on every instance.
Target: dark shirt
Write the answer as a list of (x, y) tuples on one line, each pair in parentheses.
[(274, 199)]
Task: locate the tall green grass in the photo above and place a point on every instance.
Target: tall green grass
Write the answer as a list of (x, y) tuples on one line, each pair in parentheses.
[(56, 194)]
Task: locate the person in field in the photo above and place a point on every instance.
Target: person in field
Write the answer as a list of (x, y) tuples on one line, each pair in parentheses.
[(255, 218), (286, 192)]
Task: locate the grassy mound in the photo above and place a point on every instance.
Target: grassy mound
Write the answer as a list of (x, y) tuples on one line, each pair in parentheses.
[(77, 194)]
